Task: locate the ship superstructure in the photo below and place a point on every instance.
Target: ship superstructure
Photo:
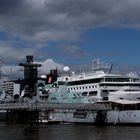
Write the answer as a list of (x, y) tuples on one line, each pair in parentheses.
[(102, 85), (98, 85)]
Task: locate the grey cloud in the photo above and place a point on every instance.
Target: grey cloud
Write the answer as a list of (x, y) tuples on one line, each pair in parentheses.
[(6, 6), (10, 53), (51, 20), (133, 74), (14, 72), (72, 50), (49, 64)]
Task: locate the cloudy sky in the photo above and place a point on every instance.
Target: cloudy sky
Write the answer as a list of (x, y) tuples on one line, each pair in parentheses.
[(72, 32)]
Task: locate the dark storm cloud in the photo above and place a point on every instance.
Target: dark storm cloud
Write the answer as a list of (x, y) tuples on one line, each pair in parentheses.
[(51, 20), (40, 21), (7, 6), (9, 53)]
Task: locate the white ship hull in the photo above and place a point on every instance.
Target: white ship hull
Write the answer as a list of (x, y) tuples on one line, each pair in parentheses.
[(124, 95), (124, 117), (112, 117), (60, 116)]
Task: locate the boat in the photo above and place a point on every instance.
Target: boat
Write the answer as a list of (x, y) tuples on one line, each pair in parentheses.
[(120, 92), (120, 113), (102, 112), (102, 84), (106, 98)]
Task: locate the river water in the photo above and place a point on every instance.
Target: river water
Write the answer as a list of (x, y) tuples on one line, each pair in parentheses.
[(68, 132)]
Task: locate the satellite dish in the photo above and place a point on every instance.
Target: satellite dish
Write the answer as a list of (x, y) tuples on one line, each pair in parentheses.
[(66, 69), (43, 76)]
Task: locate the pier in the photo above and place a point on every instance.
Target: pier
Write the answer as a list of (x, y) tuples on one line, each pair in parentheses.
[(29, 112)]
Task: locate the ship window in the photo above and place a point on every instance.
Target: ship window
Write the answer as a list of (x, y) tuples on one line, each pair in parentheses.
[(61, 83), (82, 82), (105, 98), (89, 86), (93, 93), (119, 85), (84, 93), (80, 115), (117, 79), (93, 86), (53, 98), (83, 87), (43, 97)]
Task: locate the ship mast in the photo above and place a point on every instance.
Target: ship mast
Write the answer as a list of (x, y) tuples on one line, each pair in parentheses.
[(30, 76), (100, 66)]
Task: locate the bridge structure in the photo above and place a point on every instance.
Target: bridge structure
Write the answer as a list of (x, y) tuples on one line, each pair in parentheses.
[(29, 112)]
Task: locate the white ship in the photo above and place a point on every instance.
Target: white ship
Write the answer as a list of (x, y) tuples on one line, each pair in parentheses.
[(102, 112), (120, 92), (100, 85), (124, 113)]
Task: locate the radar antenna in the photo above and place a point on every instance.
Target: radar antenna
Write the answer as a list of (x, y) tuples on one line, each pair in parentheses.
[(97, 65), (111, 67)]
